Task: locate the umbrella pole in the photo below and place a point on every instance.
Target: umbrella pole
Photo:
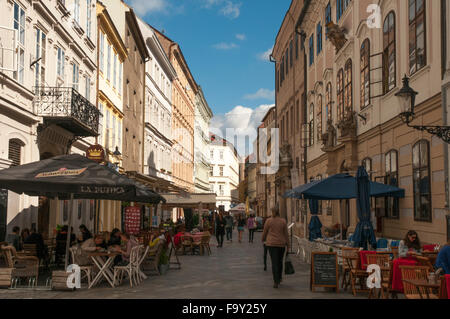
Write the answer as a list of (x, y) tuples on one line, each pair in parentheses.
[(69, 231)]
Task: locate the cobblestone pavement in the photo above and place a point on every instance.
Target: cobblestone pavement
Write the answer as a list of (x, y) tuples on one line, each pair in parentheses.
[(234, 271)]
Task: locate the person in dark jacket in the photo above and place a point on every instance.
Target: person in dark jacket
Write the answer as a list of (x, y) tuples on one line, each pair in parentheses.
[(220, 229), (15, 239), (115, 239), (42, 251)]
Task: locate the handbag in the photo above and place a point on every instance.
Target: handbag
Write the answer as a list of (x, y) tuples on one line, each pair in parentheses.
[(288, 267)]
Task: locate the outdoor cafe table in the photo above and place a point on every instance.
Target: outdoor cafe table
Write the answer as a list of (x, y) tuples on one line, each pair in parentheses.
[(397, 284), (104, 262)]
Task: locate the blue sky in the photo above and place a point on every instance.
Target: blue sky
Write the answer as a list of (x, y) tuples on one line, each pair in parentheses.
[(226, 44)]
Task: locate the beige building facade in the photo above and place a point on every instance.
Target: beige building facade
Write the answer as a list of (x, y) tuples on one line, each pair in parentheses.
[(353, 69)]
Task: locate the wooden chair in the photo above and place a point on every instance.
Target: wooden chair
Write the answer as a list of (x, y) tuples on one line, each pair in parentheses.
[(23, 266), (196, 245), (86, 269), (382, 260), (347, 252), (151, 262), (415, 272), (356, 273), (205, 244), (142, 254), (431, 255), (130, 268), (186, 243), (394, 251)]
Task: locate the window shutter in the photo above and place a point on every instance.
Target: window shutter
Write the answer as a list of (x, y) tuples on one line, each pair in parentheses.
[(14, 150)]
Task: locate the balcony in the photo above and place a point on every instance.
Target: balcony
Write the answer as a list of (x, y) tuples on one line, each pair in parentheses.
[(66, 108)]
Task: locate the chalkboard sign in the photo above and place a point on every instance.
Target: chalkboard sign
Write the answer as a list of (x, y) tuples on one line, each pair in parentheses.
[(324, 270)]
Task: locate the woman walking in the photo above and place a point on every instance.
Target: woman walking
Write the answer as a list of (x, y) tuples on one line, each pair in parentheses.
[(251, 225), (240, 226), (220, 229), (276, 238)]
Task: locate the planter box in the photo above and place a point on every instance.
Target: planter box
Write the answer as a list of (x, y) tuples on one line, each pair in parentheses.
[(5, 277), (59, 280)]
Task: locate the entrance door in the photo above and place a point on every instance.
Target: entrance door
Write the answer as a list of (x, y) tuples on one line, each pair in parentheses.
[(3, 213)]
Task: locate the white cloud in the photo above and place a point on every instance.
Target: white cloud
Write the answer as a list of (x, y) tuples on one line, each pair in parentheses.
[(225, 46), (241, 37), (245, 122), (143, 7), (265, 55), (261, 94), (231, 10)]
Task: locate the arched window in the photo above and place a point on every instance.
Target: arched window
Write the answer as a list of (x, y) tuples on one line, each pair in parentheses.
[(365, 73), (340, 94), (15, 151), (417, 39), (391, 178), (348, 86), (328, 106), (421, 181), (319, 117), (389, 53), (311, 124)]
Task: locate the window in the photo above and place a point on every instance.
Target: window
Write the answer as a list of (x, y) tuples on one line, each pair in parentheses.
[(417, 46), (120, 78), (114, 70), (113, 130), (389, 53), (365, 73), (100, 124), (60, 65), (76, 11), (311, 124), (296, 45), (39, 73), (87, 92), (221, 190), (311, 50), (277, 79), (367, 163), (319, 38), (15, 151), (348, 86), (328, 105), (88, 18), (327, 18), (341, 6), (108, 63), (75, 75), (291, 54), (108, 131), (220, 170), (421, 181), (287, 61), (101, 51), (19, 26), (340, 94), (119, 134), (319, 117), (391, 178), (221, 155), (212, 154)]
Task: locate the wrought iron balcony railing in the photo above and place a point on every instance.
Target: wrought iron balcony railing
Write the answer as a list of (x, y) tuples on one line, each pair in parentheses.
[(65, 107)]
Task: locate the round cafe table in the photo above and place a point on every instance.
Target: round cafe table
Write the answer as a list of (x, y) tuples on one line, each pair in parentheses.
[(397, 284)]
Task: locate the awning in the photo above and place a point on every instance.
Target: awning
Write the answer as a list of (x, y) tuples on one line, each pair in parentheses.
[(190, 200)]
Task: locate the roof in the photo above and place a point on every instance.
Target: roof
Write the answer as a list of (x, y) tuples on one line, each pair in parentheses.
[(190, 200)]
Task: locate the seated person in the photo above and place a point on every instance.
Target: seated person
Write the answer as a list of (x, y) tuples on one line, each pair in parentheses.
[(85, 234), (36, 238), (62, 235), (443, 260), (177, 237), (90, 245), (24, 234), (14, 239), (130, 242), (410, 246), (115, 239)]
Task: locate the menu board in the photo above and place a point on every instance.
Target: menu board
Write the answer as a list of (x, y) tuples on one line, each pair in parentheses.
[(324, 270), (132, 220)]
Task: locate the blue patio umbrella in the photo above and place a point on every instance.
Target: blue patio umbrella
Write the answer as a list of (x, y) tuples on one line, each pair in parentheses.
[(315, 225), (364, 230)]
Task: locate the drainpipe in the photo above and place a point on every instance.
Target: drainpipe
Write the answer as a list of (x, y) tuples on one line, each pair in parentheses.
[(444, 26)]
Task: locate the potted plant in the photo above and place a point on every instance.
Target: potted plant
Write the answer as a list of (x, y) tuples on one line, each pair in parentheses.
[(163, 262)]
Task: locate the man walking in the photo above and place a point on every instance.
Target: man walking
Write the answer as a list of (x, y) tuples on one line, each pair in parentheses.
[(229, 227)]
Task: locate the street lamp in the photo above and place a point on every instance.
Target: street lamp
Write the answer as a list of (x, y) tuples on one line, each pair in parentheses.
[(116, 156), (407, 99)]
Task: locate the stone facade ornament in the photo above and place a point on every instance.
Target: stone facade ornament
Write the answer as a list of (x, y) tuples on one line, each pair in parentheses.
[(336, 34), (348, 124), (285, 154), (328, 138)]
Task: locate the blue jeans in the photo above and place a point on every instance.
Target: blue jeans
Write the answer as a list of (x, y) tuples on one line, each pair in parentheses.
[(229, 231)]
